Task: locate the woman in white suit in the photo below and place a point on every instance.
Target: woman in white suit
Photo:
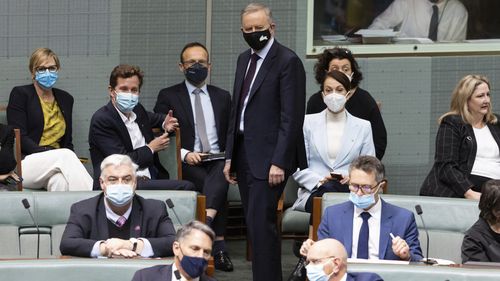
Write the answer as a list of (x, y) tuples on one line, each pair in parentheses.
[(333, 139)]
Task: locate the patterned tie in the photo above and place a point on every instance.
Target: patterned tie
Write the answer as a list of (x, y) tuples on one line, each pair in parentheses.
[(433, 26), (364, 234), (248, 80), (121, 221), (201, 127)]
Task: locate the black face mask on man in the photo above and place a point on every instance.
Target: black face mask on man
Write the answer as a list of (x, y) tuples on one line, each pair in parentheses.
[(257, 39), (196, 73)]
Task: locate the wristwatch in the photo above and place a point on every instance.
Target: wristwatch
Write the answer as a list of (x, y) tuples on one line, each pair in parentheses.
[(134, 243)]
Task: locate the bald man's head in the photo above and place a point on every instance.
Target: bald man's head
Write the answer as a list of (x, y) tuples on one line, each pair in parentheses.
[(327, 250)]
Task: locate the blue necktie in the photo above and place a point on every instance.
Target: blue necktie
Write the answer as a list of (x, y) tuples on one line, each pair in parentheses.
[(364, 234)]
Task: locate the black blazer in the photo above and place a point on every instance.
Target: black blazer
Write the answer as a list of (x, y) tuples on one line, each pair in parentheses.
[(481, 243), (362, 105), (160, 272), (177, 98), (274, 114), (455, 154), (88, 224), (108, 135), (8, 162), (25, 112)]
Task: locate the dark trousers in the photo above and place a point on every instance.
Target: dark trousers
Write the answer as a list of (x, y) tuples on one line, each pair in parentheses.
[(330, 186), (478, 182), (209, 180), (259, 204), (147, 184)]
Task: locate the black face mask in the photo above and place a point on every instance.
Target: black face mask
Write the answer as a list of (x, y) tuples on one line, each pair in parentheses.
[(196, 74), (258, 39)]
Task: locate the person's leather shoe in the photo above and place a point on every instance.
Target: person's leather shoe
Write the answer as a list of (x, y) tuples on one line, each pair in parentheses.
[(222, 261), (299, 272)]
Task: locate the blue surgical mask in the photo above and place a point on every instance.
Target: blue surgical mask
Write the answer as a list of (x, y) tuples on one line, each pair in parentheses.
[(193, 266), (126, 101), (46, 79), (315, 272), (363, 201), (119, 194)]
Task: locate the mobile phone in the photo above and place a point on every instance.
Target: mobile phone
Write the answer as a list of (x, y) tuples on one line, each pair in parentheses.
[(336, 176)]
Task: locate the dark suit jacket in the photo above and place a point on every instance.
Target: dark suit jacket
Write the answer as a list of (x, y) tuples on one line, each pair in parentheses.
[(176, 98), (25, 112), (160, 272), (337, 223), (455, 154), (481, 243), (8, 162), (274, 114), (88, 224), (362, 105), (108, 135), (363, 276)]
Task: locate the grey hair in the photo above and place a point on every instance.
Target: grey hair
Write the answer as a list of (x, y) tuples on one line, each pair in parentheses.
[(187, 228), (255, 7), (369, 164), (117, 160)]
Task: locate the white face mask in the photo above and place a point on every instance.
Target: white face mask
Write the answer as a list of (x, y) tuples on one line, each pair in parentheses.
[(315, 272), (335, 101), (119, 194)]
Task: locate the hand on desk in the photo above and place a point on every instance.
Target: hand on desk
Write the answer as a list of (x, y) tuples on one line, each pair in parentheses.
[(117, 247), (400, 248)]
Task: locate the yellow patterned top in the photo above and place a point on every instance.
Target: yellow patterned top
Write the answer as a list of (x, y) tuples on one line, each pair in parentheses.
[(54, 125)]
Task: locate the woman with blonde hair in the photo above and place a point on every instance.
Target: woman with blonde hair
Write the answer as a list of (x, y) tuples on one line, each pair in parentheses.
[(467, 144), (44, 116)]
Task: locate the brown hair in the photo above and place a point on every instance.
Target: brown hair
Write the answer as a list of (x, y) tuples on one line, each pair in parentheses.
[(125, 71), (340, 77), (489, 204), (321, 66)]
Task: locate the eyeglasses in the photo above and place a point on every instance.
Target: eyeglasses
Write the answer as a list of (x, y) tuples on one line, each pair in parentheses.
[(190, 63), (43, 69), (366, 189), (340, 52), (317, 261)]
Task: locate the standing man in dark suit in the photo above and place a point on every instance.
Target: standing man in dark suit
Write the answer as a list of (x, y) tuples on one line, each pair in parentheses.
[(192, 248), (327, 260), (265, 141), (203, 113), (123, 126), (118, 222)]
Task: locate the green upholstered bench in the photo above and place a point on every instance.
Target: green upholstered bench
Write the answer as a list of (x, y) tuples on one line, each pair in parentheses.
[(75, 269), (51, 210), (419, 272), (446, 219)]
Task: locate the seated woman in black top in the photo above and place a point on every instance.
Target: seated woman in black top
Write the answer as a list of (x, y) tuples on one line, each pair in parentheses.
[(359, 103), (482, 240)]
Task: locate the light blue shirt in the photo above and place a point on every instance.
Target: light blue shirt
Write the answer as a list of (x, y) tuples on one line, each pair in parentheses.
[(208, 113), (262, 54)]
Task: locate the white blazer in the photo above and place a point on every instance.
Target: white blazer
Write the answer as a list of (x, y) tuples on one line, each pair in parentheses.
[(357, 140)]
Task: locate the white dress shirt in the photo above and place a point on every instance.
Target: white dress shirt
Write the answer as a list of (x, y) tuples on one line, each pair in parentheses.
[(413, 18), (147, 250), (208, 114), (262, 54), (374, 230), (136, 137), (487, 162)]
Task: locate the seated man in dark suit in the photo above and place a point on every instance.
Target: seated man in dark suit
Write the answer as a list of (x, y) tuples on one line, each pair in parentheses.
[(203, 114), (327, 260), (192, 249), (118, 222), (123, 126), (367, 226)]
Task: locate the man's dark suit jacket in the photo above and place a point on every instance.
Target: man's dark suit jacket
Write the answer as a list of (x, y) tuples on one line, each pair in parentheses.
[(177, 98), (363, 276), (88, 224), (454, 158), (160, 272), (108, 135), (274, 114), (25, 112)]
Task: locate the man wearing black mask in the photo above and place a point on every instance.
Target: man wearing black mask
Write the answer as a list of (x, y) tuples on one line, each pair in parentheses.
[(202, 112), (265, 142)]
